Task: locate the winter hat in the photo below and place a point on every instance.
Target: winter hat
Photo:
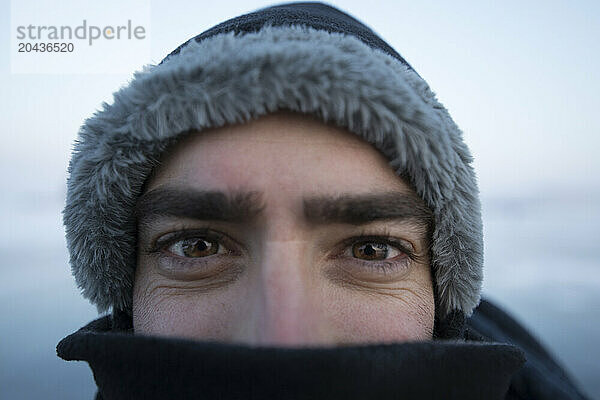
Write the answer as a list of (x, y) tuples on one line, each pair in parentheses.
[(304, 57)]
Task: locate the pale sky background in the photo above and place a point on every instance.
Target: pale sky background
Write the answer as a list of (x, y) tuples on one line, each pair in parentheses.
[(519, 77)]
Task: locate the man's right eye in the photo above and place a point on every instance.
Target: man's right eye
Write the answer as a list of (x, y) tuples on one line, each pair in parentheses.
[(196, 247), (194, 244), (198, 254)]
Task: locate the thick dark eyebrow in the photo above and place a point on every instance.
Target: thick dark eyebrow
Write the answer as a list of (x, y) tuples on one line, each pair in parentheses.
[(202, 205), (362, 209), (244, 206)]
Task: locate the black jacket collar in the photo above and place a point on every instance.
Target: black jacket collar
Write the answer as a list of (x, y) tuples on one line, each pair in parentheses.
[(128, 366)]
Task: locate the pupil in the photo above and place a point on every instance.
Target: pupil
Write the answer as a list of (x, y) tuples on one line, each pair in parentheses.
[(370, 251), (199, 248)]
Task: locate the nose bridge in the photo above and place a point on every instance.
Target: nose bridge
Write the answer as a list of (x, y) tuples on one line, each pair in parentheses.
[(285, 306)]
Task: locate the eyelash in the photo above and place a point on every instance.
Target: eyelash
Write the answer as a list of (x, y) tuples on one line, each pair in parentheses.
[(171, 238), (159, 246), (383, 237)]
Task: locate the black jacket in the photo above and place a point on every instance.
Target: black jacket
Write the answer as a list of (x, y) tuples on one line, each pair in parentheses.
[(488, 363)]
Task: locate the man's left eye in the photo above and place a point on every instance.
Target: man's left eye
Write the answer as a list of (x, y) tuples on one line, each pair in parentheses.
[(195, 247), (374, 251)]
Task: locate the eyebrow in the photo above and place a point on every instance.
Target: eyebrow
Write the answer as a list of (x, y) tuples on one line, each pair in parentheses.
[(362, 209), (201, 205), (244, 206)]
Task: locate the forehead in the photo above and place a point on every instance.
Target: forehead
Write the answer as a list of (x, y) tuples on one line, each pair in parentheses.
[(280, 152)]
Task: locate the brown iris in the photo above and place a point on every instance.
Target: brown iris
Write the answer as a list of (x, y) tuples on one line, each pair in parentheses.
[(198, 247), (370, 251)]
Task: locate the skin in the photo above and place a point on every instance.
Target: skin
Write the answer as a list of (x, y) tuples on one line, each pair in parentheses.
[(278, 279)]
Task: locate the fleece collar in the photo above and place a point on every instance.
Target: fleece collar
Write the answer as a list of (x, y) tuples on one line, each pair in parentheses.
[(128, 366)]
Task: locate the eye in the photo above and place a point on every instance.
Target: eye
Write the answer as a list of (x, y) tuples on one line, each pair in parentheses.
[(195, 247), (375, 257), (374, 251), (197, 254), (194, 244)]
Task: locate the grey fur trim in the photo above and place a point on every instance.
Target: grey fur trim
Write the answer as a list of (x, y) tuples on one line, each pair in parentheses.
[(229, 79)]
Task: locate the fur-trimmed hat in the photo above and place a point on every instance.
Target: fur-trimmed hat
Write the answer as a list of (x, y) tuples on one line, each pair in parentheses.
[(305, 57)]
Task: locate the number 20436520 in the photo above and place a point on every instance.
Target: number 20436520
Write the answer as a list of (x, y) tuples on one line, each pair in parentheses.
[(26, 47)]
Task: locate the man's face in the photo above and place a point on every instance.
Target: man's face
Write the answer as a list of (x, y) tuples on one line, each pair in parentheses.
[(282, 231)]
